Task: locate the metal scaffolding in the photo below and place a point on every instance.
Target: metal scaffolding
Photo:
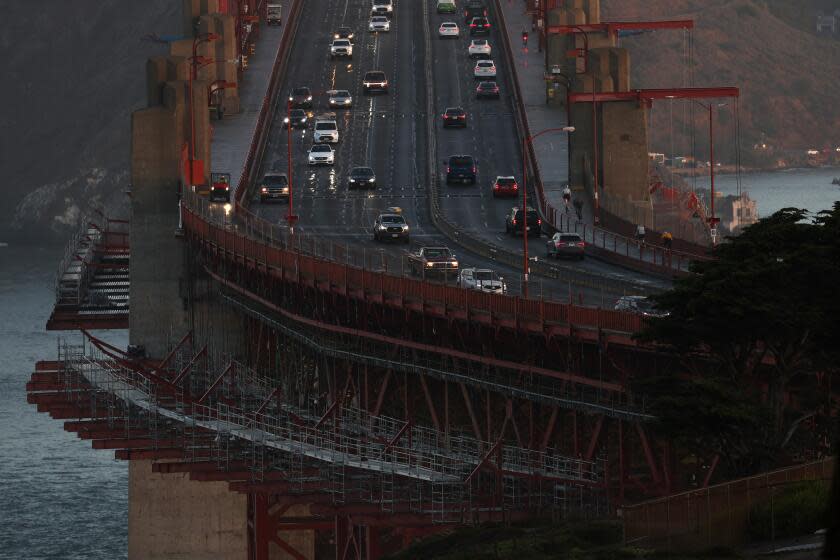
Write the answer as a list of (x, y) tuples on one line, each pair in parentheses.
[(222, 412)]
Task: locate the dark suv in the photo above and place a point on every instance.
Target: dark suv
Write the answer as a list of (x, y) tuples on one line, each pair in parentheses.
[(461, 169), (480, 26), (301, 98), (515, 219), (274, 186), (474, 8), (375, 80)]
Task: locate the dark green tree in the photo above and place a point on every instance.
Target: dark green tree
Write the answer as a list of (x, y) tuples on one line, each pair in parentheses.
[(751, 328)]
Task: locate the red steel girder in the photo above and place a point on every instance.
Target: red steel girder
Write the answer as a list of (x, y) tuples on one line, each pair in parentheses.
[(132, 443), (148, 454), (194, 466), (648, 95), (613, 27), (73, 321)]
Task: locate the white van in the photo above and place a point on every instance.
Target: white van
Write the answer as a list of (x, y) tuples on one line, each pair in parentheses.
[(274, 13), (326, 130)]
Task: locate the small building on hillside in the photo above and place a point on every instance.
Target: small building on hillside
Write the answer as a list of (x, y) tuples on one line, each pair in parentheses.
[(735, 212), (828, 23)]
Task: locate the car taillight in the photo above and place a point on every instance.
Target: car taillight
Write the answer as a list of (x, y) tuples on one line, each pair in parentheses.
[(472, 25), (514, 221), (515, 186), (446, 117), (496, 186), (448, 169), (580, 244), (473, 168), (539, 221), (486, 25)]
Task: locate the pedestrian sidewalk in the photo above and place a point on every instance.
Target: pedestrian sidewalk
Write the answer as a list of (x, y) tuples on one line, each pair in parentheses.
[(232, 135), (552, 153)]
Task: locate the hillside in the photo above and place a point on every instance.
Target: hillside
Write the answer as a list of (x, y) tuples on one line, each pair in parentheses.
[(76, 72), (768, 48)]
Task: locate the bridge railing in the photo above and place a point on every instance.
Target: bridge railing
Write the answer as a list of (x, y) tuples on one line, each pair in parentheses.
[(345, 269), (636, 254)]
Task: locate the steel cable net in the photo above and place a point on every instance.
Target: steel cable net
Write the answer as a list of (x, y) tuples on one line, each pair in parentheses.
[(339, 451)]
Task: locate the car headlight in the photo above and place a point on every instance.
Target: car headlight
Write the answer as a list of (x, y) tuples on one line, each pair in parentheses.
[(371, 180), (428, 264), (352, 180), (382, 227), (347, 101), (405, 228), (264, 189), (455, 263), (303, 119), (291, 98), (309, 98), (285, 119), (335, 36)]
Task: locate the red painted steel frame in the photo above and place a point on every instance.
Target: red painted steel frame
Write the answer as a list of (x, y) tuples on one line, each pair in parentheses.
[(613, 27), (648, 95)]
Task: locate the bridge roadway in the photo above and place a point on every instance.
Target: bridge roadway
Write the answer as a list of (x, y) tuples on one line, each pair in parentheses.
[(387, 132)]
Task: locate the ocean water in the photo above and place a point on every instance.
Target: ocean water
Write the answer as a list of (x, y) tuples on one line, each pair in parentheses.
[(808, 188), (59, 499)]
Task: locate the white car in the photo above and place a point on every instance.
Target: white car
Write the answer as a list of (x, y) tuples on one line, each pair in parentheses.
[(341, 47), (479, 48), (321, 154), (484, 69), (449, 29), (379, 23), (481, 279), (382, 6), (340, 98)]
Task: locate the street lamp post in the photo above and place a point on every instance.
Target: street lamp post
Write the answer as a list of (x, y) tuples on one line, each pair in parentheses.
[(597, 214), (202, 38), (290, 217), (525, 141), (711, 219)]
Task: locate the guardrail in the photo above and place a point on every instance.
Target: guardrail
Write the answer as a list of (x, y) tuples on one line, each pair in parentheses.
[(266, 114), (664, 262), (577, 277), (338, 268), (553, 306)]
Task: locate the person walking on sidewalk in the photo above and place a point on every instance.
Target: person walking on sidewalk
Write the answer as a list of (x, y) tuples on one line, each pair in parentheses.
[(667, 240), (578, 208), (640, 233)]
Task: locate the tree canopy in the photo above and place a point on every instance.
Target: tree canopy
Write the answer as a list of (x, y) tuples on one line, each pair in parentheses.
[(756, 333)]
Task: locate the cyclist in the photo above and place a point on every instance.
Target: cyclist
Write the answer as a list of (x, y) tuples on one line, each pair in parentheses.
[(524, 39), (567, 197)]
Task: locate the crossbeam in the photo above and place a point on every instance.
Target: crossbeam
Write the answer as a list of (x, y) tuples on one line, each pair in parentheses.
[(654, 94), (613, 27)]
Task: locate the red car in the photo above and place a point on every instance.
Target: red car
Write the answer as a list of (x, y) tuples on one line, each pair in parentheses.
[(487, 89), (505, 186)]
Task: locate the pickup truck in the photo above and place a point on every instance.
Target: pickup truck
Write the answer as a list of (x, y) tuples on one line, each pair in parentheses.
[(433, 260)]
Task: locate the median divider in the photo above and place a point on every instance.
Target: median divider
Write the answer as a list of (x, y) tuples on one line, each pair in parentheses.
[(266, 114), (567, 275), (664, 264)]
